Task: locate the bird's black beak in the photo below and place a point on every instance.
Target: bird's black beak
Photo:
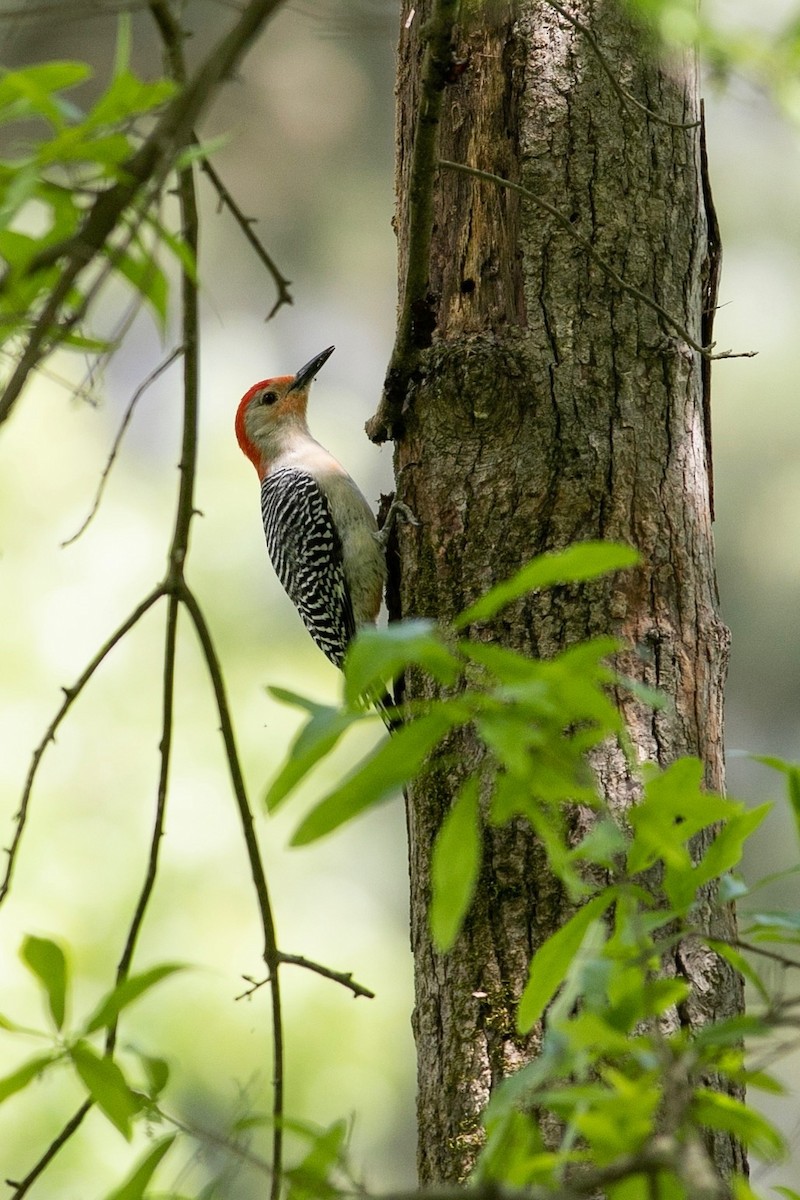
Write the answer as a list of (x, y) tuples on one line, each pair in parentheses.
[(307, 373)]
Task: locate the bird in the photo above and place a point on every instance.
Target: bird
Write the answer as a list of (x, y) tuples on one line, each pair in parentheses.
[(322, 536)]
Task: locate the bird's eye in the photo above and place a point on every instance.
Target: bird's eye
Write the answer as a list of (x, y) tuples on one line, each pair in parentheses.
[(268, 398)]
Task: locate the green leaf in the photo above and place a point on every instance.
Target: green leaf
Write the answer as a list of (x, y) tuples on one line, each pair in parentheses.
[(73, 146), (553, 959), (580, 562), (176, 245), (125, 993), (83, 343), (674, 808), (32, 90), (601, 845), (724, 852), (21, 1077), (127, 96), (715, 1110), (377, 655), (134, 1186), (515, 1156), (157, 1072), (384, 772), (792, 773), (730, 1032), (47, 962), (741, 1189), (778, 926), (731, 888), (107, 1086), (256, 1120), (314, 741), (14, 1027), (455, 865), (200, 151), (145, 276), (310, 1176), (22, 187)]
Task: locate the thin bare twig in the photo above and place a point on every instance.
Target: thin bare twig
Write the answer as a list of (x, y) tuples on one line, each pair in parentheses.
[(246, 225), (625, 96), (22, 1187), (125, 422), (165, 750), (272, 956), (345, 978), (70, 696), (566, 224), (753, 948), (123, 968)]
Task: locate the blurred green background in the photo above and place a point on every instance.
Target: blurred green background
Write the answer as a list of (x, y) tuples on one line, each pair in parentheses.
[(309, 152)]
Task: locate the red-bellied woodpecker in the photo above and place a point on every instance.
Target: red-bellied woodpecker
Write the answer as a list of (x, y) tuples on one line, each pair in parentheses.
[(321, 534)]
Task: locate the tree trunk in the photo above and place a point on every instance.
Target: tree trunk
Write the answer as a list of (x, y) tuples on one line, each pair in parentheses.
[(553, 406)]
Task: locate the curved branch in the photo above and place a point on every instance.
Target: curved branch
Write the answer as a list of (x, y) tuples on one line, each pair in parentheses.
[(246, 225), (125, 422), (70, 696)]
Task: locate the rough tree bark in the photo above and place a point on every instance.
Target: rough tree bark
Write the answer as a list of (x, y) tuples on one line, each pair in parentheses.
[(552, 406)]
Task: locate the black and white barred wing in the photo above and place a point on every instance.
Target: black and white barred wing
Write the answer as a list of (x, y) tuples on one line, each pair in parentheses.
[(306, 553)]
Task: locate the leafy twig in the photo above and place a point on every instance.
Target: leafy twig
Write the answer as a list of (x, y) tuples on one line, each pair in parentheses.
[(566, 224), (246, 225), (148, 166), (135, 398), (414, 320)]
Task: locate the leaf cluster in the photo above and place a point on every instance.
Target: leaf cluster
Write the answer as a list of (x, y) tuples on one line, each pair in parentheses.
[(631, 1085), (102, 1079), (57, 159)]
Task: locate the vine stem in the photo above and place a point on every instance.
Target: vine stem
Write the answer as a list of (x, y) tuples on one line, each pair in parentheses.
[(414, 319), (566, 224)]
